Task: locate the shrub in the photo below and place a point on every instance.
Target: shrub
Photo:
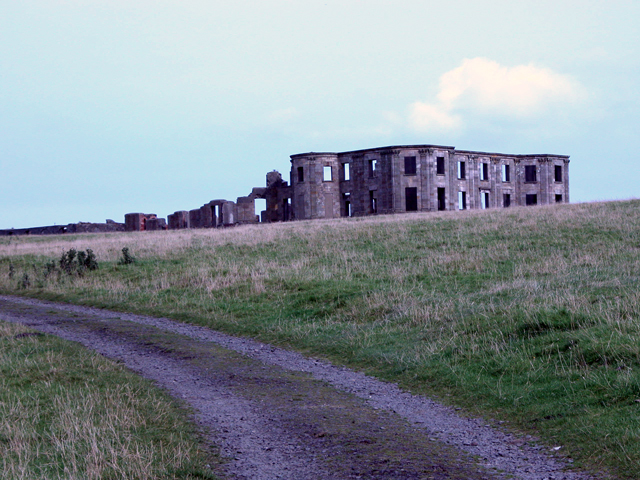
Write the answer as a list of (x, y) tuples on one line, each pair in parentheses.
[(127, 258), (91, 262), (74, 262), (67, 261)]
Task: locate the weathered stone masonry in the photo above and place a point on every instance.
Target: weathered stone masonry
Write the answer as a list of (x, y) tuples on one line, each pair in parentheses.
[(385, 180), (225, 213), (395, 179), (422, 178)]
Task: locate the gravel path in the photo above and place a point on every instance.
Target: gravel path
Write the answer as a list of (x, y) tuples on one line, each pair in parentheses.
[(277, 414)]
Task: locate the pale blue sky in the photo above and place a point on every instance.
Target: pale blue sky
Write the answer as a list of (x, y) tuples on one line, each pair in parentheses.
[(109, 107)]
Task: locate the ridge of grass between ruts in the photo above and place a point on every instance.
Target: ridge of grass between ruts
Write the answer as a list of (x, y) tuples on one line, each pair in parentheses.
[(527, 313)]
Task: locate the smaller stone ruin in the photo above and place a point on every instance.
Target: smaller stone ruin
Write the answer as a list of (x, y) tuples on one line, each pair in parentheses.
[(138, 222), (224, 213)]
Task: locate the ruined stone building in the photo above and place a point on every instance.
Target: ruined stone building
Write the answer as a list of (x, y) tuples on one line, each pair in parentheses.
[(396, 179), (422, 178)]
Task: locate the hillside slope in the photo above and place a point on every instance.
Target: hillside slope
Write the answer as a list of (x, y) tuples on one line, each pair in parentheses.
[(530, 314)]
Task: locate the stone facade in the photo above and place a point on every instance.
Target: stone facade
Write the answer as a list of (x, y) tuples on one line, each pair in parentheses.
[(422, 178)]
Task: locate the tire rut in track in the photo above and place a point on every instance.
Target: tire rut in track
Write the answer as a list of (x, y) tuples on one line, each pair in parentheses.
[(272, 419)]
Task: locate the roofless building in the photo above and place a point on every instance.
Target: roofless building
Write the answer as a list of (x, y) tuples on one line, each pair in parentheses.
[(422, 178), (386, 180)]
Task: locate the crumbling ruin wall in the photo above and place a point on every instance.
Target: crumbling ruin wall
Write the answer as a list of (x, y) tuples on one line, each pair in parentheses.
[(278, 195), (155, 224), (81, 227), (194, 218), (224, 213), (137, 222), (246, 207), (178, 220), (230, 213)]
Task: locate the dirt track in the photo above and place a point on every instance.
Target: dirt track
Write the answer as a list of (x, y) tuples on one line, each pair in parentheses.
[(278, 415)]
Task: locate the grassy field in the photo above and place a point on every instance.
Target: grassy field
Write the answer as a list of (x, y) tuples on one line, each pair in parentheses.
[(66, 413), (527, 314)]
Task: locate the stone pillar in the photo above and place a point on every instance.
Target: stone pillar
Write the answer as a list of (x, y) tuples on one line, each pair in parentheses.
[(424, 180), (496, 183), (544, 181), (565, 180), (473, 195), (518, 179)]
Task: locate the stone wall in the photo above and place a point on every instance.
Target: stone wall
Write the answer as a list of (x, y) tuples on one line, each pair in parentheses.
[(81, 227)]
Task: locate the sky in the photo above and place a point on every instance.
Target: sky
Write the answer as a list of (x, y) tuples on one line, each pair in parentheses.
[(111, 106)]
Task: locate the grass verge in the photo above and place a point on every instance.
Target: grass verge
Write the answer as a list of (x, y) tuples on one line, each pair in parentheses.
[(69, 413), (532, 314)]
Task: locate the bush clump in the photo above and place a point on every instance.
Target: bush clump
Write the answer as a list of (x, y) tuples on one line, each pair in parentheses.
[(127, 258), (74, 262)]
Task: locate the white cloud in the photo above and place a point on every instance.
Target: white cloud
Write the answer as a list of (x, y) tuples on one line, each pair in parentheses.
[(424, 116), (482, 86)]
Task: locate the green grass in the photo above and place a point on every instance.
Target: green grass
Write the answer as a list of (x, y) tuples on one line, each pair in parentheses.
[(530, 314), (66, 413)]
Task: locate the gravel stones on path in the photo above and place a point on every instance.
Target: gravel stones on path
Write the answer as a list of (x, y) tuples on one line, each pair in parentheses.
[(274, 413)]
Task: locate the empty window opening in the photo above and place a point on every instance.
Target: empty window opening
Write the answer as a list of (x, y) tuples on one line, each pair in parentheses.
[(462, 173), (440, 166), (300, 174), (373, 202), (484, 199), (442, 199), (373, 164), (484, 171), (217, 216), (409, 165), (558, 173), (260, 206), (326, 173), (558, 198), (530, 173), (506, 200), (462, 200), (346, 171), (347, 205), (506, 173), (531, 199), (411, 198)]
